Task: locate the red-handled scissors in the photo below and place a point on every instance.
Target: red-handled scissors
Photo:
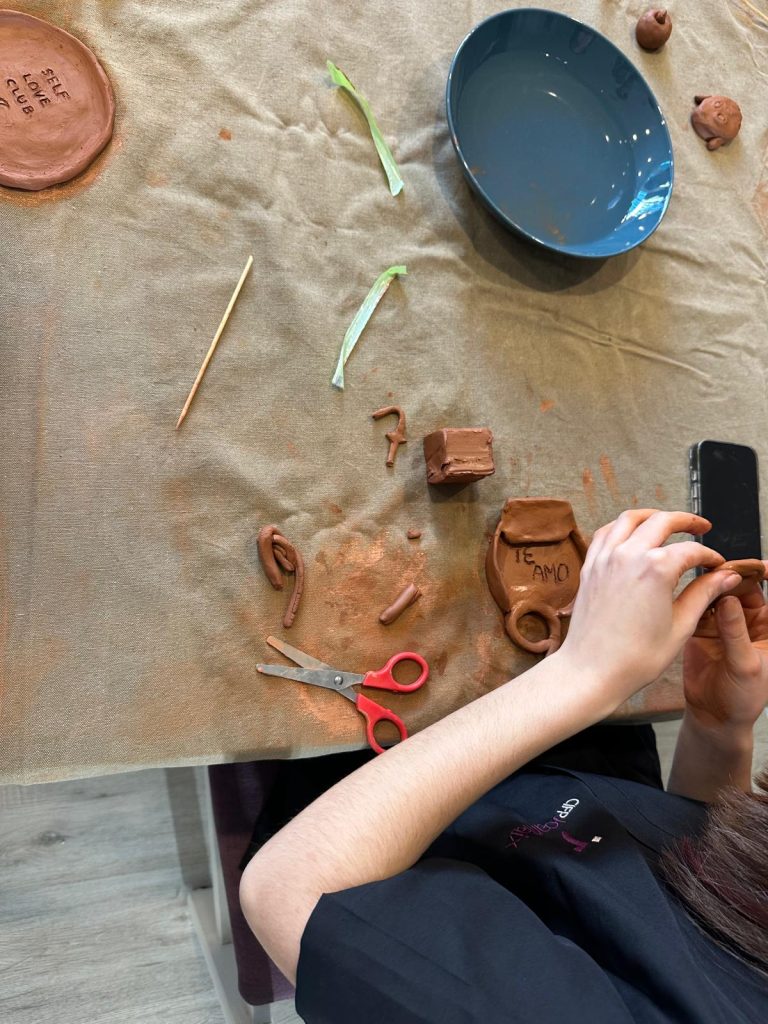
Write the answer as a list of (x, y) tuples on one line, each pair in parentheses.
[(317, 673)]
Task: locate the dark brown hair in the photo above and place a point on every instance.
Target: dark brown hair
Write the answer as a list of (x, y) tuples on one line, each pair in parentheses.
[(721, 875)]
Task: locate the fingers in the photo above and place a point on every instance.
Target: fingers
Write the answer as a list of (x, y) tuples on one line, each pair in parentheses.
[(659, 527), (688, 554), (734, 636), (596, 544), (617, 530), (699, 595), (754, 598), (650, 526), (625, 524)]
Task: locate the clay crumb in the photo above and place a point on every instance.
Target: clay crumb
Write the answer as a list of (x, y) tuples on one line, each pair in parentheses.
[(225, 134), (413, 534)]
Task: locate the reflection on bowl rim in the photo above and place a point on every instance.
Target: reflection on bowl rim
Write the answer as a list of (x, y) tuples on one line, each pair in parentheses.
[(498, 212)]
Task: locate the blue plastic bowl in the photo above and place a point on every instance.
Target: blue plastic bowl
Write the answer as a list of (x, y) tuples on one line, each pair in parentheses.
[(559, 134)]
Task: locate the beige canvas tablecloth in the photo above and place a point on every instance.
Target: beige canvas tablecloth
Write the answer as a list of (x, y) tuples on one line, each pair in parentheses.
[(134, 608)]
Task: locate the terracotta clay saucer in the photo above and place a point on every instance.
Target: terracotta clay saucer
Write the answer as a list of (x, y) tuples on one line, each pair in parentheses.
[(56, 104)]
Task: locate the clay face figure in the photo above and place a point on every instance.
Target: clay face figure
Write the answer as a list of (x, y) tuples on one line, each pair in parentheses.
[(458, 455), (533, 565), (56, 103), (653, 29), (717, 119)]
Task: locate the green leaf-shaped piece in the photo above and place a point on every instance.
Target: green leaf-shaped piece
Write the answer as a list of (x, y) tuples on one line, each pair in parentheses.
[(385, 153), (361, 318)]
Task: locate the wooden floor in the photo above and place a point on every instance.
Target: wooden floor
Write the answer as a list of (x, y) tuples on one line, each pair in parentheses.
[(94, 926)]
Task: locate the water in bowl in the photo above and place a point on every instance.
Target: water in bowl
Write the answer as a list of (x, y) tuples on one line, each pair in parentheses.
[(547, 147)]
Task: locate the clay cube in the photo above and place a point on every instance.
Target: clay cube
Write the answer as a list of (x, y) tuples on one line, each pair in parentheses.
[(458, 455)]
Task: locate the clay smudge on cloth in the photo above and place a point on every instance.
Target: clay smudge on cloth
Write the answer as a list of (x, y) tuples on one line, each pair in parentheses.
[(609, 475), (588, 483)]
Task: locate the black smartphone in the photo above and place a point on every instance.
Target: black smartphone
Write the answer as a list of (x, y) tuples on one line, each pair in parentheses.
[(724, 489)]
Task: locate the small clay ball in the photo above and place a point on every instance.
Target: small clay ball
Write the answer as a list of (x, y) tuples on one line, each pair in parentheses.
[(717, 119), (653, 29)]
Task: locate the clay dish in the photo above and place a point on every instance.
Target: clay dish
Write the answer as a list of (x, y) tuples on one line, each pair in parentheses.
[(533, 566), (56, 104)]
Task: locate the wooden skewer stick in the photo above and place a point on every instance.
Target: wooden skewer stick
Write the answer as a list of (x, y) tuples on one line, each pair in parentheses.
[(215, 342)]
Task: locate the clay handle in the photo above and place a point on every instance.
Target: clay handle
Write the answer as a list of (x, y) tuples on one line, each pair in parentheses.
[(384, 678), (542, 611), (373, 714)]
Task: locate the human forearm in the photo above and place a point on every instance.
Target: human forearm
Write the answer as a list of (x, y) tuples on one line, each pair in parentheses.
[(379, 820), (708, 759)]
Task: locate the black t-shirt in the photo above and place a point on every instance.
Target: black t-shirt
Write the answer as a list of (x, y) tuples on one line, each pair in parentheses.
[(541, 903)]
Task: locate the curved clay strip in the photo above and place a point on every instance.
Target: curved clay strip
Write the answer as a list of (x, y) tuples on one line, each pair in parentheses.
[(274, 549), (280, 549), (542, 611), (267, 556), (298, 586), (398, 606)]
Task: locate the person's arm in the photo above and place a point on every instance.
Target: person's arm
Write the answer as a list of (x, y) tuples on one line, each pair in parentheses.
[(626, 628), (726, 688), (708, 759), (379, 820)]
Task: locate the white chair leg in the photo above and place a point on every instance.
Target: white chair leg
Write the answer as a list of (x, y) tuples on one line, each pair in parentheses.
[(210, 917)]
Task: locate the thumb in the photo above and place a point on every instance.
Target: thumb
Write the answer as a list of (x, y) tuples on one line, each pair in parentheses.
[(700, 594), (734, 635)]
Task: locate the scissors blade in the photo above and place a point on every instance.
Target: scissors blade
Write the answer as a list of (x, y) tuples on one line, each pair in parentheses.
[(324, 677), (305, 660)]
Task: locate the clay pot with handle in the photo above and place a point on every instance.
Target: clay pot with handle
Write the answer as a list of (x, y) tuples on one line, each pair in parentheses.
[(533, 566)]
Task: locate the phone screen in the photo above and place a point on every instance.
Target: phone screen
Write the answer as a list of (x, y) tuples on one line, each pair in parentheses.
[(724, 487)]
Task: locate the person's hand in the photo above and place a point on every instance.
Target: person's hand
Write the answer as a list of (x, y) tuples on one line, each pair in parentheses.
[(627, 625), (726, 677)]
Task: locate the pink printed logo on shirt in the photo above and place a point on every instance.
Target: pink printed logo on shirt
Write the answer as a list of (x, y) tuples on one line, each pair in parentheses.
[(522, 832)]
